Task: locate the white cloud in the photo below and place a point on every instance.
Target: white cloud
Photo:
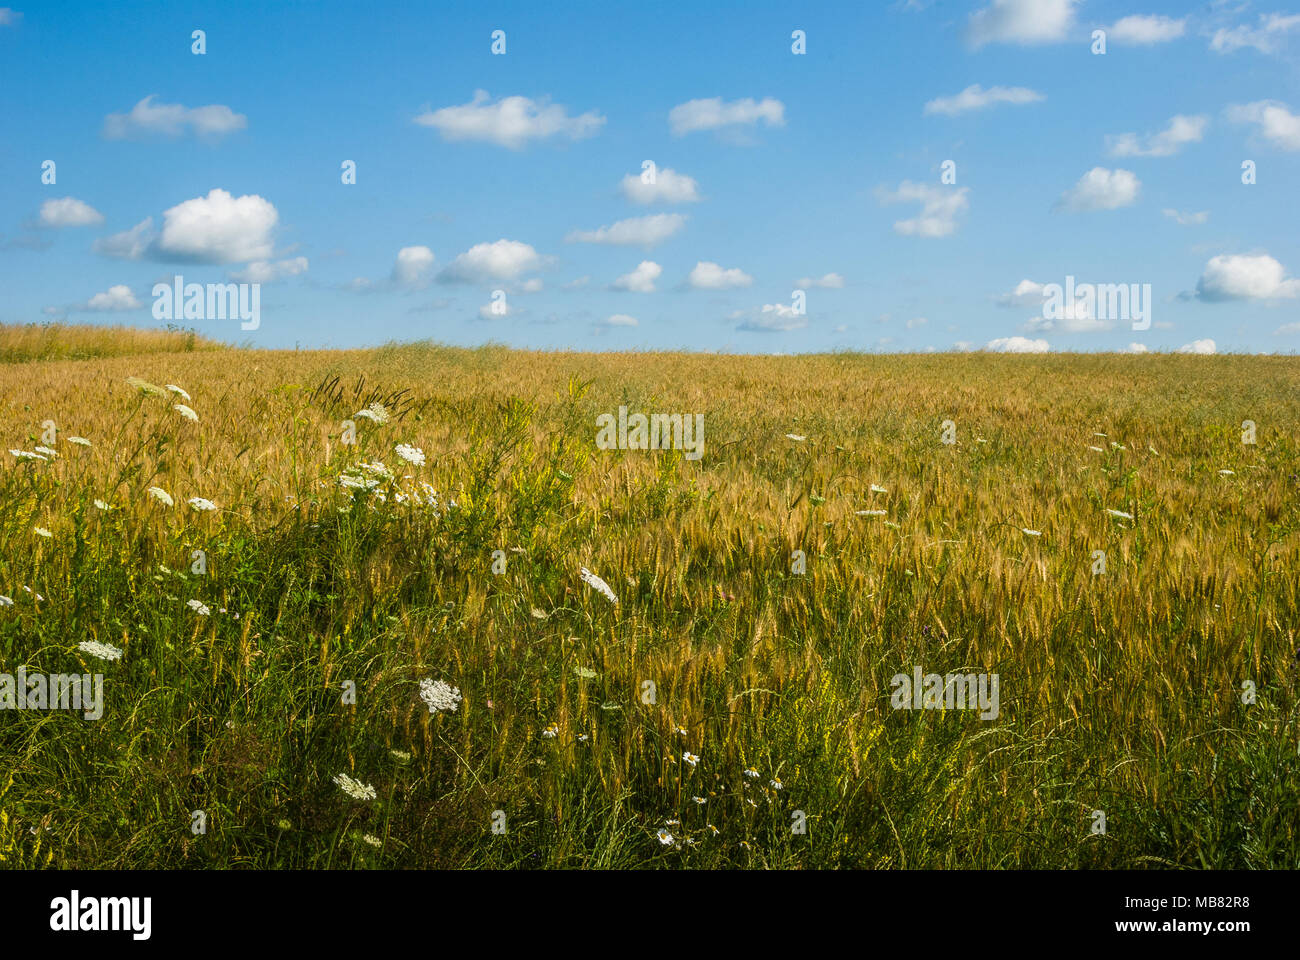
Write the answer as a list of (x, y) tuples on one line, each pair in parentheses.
[(495, 310), (1145, 29), (9, 16), (1076, 319), (503, 260), (1245, 277), (129, 244), (510, 122), (69, 212), (264, 271), (707, 275), (636, 231), (1206, 346), (577, 284), (1266, 38), (640, 280), (117, 297), (1288, 328), (964, 346), (413, 268), (1102, 189), (916, 322), (774, 318), (832, 281), (713, 114), (1027, 293), (1276, 123), (669, 187), (1186, 219), (172, 120), (1181, 130), (940, 207), (976, 97), (618, 320), (1022, 22), (219, 228), (1137, 348), (531, 285), (1017, 345)]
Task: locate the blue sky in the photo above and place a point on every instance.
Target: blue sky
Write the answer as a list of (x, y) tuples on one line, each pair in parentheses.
[(821, 171)]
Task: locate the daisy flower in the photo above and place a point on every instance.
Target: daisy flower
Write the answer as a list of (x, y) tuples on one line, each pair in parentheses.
[(776, 784), (410, 454), (186, 412), (751, 773), (551, 731), (691, 758), (162, 496), (355, 788), (104, 651), (665, 837)]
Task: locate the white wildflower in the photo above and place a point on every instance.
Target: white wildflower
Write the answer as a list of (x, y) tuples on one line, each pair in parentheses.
[(375, 413), (1119, 513), (79, 441), (439, 695), (591, 580), (47, 451), (795, 437), (410, 454), (691, 758), (199, 503), (6, 601), (41, 532), (198, 607), (877, 488), (175, 389), (162, 496), (665, 837), (355, 788), (372, 840), (1031, 533), (27, 455), (104, 651), (186, 412)]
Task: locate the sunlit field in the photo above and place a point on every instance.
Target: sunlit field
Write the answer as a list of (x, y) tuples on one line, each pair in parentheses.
[(263, 660)]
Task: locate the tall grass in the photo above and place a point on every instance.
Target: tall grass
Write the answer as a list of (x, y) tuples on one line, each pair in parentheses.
[(20, 343), (1121, 693)]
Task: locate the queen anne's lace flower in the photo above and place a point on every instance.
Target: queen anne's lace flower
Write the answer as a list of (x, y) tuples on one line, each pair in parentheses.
[(410, 454), (596, 583), (186, 412), (439, 695), (355, 788), (104, 651), (162, 496)]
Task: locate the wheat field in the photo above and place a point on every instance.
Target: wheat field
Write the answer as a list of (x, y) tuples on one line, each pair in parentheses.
[(733, 707)]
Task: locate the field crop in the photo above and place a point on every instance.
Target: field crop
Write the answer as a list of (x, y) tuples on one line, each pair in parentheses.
[(1100, 534)]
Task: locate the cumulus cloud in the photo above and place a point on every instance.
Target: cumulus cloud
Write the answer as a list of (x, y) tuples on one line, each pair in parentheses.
[(219, 228), (1026, 293), (976, 97), (1181, 130), (266, 271), (715, 114), (1267, 37), (1102, 189), (1024, 22), (1205, 346), (633, 232), (1186, 219), (1145, 30), (831, 281), (1136, 348), (510, 122), (1273, 119), (618, 320), (116, 297), (707, 275), (1245, 277), (501, 261), (640, 280), (413, 268), (129, 244), (9, 16), (69, 212), (1016, 345), (495, 310), (774, 318), (172, 120), (940, 207), (669, 187)]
